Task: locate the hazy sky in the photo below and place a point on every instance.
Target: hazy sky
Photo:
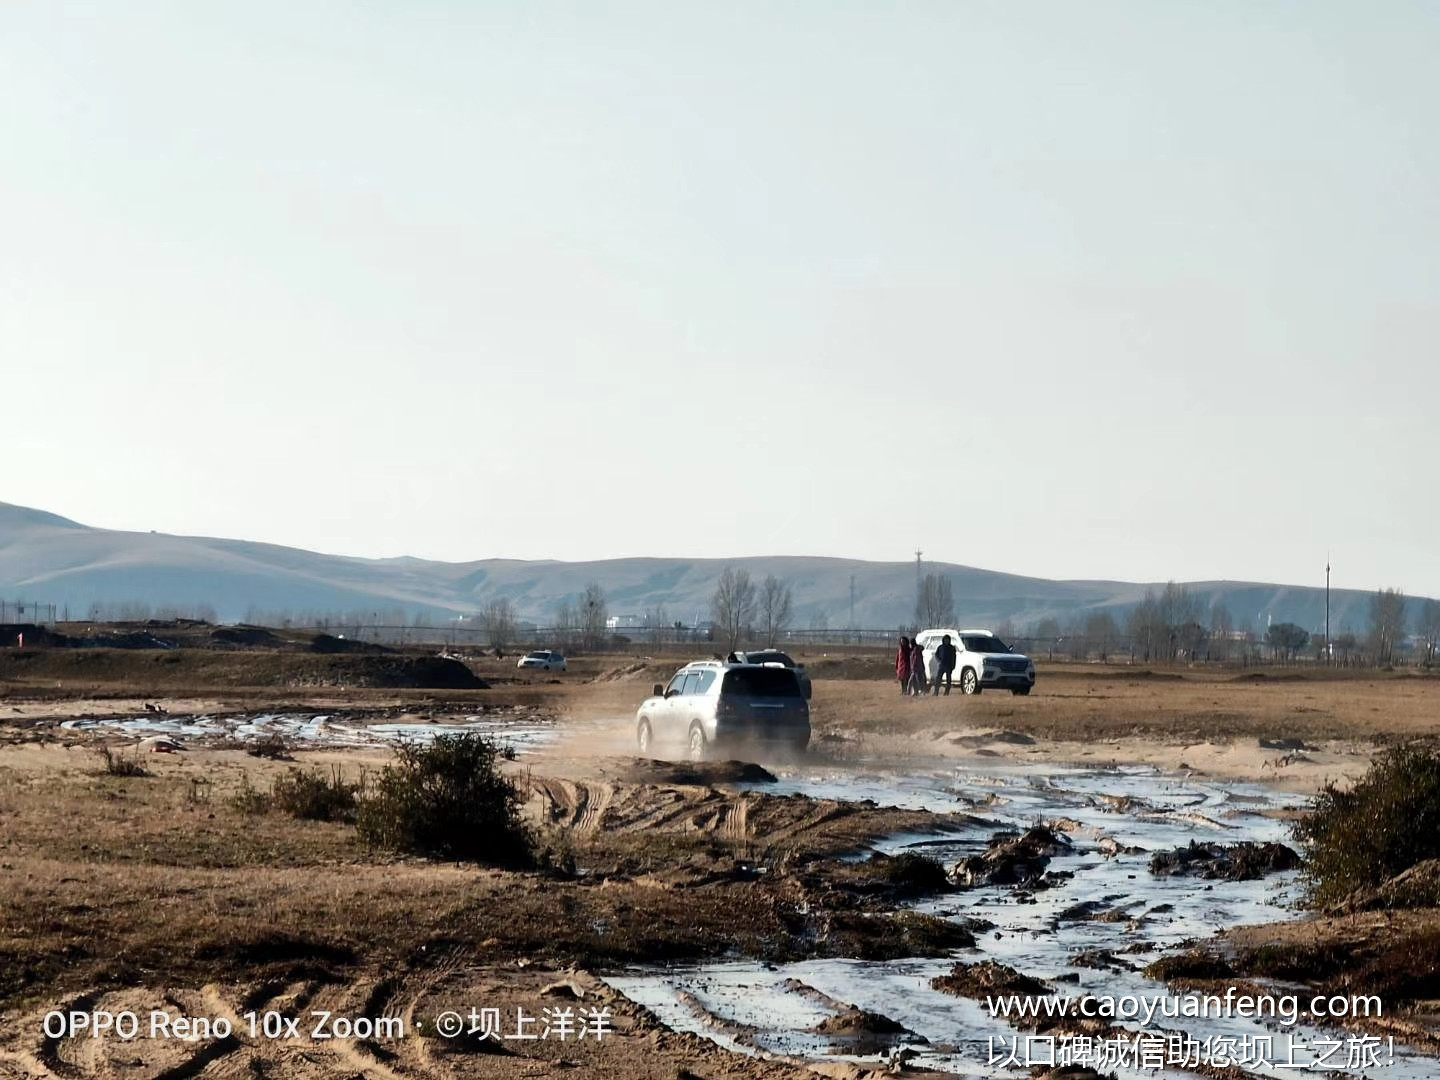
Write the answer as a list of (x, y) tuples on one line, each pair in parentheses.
[(1137, 290)]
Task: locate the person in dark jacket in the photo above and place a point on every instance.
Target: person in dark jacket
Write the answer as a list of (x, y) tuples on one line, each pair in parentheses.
[(902, 665), (917, 668), (945, 655)]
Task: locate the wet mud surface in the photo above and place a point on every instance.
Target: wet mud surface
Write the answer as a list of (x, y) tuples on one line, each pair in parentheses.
[(1073, 906)]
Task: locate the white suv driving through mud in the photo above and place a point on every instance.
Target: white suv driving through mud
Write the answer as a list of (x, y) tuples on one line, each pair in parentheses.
[(982, 662), (713, 706)]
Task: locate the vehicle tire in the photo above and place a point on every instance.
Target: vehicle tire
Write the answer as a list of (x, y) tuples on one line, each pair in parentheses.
[(643, 738), (969, 682), (1020, 691), (697, 748)]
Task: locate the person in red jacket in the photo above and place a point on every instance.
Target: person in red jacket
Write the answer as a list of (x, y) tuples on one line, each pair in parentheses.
[(918, 682), (902, 665)]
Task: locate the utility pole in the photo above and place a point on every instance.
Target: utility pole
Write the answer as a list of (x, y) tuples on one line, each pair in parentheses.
[(919, 585), (852, 602), (1329, 649)]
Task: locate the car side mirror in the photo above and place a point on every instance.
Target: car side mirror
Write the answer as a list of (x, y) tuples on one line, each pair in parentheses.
[(657, 690)]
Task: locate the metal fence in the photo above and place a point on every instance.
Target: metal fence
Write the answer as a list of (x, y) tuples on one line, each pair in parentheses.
[(1075, 648), (27, 611)]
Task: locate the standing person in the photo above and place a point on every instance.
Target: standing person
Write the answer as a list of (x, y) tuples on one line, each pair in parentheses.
[(917, 668), (945, 655), (902, 665)]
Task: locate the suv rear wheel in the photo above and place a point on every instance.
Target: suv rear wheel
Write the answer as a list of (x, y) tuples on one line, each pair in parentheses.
[(969, 684), (697, 743)]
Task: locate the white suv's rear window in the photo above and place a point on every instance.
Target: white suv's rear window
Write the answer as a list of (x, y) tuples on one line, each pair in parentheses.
[(761, 682)]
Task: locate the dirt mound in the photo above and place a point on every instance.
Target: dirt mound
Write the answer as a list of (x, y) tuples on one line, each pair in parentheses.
[(983, 738), (858, 1023), (640, 671), (245, 637), (987, 979), (416, 673), (33, 635), (698, 773), (1228, 862), (1417, 887), (1011, 859), (1285, 744), (328, 643), (124, 639), (1189, 965), (908, 874)]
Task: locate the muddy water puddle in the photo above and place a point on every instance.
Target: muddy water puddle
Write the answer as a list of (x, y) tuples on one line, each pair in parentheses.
[(524, 732), (1112, 913)]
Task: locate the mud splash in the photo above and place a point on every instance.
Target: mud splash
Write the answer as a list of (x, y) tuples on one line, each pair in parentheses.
[(1090, 934)]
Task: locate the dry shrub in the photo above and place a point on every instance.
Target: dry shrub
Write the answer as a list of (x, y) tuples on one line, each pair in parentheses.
[(449, 800), (250, 799), (910, 873), (119, 765), (316, 796), (1385, 824), (272, 746)]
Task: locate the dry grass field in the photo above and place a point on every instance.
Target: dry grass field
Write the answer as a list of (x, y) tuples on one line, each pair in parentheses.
[(169, 891)]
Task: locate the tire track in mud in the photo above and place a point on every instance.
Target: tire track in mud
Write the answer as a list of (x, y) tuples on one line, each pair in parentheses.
[(756, 821), (87, 1055), (48, 1052), (577, 805)]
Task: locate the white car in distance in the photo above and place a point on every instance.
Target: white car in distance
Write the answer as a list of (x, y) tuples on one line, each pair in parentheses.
[(982, 661), (543, 660)]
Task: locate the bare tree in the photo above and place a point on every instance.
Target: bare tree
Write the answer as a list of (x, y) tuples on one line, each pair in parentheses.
[(733, 605), (566, 624), (1429, 629), (1387, 624), (820, 619), (593, 616), (497, 620), (1222, 626), (935, 606), (1147, 628), (657, 621), (775, 608), (1047, 636), (1161, 625), (1100, 633)]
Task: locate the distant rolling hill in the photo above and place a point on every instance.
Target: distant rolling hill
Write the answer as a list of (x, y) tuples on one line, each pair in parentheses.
[(50, 559)]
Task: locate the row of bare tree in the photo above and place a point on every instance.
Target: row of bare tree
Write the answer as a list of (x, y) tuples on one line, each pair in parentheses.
[(1171, 625), (744, 612)]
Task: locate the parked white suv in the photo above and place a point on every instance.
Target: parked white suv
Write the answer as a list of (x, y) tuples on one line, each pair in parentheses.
[(982, 662), (544, 659)]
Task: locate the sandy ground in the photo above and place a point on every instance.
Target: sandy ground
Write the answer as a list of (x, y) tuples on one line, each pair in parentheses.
[(157, 894)]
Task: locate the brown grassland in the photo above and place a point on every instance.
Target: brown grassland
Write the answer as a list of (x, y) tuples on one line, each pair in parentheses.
[(167, 891)]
